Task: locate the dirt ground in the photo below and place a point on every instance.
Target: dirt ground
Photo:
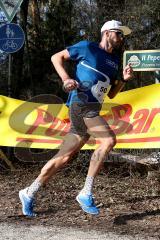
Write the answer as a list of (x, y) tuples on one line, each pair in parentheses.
[(129, 203)]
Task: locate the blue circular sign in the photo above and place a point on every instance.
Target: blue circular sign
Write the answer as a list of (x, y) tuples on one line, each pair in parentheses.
[(11, 37)]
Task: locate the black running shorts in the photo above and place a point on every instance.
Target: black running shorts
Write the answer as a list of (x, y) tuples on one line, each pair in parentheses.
[(77, 112)]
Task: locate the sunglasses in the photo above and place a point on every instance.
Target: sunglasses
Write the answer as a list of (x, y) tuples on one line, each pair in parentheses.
[(118, 33)]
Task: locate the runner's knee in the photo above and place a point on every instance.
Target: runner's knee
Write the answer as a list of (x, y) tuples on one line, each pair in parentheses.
[(108, 143)]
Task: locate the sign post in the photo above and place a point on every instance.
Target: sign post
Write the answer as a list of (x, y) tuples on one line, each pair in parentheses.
[(11, 40), (9, 75), (157, 76), (11, 37), (144, 60), (3, 20), (3, 57)]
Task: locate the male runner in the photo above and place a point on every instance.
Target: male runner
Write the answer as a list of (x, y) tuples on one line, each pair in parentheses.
[(95, 71)]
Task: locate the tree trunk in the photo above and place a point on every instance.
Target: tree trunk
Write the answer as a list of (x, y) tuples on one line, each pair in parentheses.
[(35, 16), (17, 63)]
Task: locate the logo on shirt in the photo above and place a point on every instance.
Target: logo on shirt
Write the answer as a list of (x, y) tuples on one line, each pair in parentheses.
[(94, 69), (112, 64), (101, 88)]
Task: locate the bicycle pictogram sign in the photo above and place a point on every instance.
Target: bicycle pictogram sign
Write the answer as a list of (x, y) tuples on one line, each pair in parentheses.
[(11, 38)]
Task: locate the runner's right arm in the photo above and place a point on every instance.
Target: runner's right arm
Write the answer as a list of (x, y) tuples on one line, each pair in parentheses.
[(58, 62)]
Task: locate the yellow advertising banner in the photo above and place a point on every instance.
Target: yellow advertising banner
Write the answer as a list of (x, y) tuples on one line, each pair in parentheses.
[(133, 115)]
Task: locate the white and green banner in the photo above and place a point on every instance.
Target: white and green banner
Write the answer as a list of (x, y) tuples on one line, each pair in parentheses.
[(142, 60)]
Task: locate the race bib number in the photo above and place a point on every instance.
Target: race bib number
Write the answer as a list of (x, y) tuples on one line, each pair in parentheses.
[(100, 90)]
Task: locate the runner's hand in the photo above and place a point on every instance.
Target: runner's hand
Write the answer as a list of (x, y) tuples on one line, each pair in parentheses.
[(127, 72), (70, 84)]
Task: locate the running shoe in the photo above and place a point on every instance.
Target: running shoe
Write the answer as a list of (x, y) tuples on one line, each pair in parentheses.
[(27, 203), (87, 204)]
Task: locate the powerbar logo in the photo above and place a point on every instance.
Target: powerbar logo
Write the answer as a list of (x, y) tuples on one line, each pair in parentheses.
[(122, 120)]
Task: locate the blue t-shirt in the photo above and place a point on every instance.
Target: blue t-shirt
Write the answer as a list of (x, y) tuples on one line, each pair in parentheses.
[(95, 71)]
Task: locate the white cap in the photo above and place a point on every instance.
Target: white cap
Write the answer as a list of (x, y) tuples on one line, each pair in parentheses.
[(115, 25)]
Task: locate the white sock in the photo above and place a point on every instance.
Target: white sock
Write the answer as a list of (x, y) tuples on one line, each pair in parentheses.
[(87, 189), (33, 188)]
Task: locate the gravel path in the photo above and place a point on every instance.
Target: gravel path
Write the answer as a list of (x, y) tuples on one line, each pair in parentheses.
[(19, 232)]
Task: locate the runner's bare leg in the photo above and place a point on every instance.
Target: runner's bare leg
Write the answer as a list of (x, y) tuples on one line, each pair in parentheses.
[(72, 144), (101, 131)]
